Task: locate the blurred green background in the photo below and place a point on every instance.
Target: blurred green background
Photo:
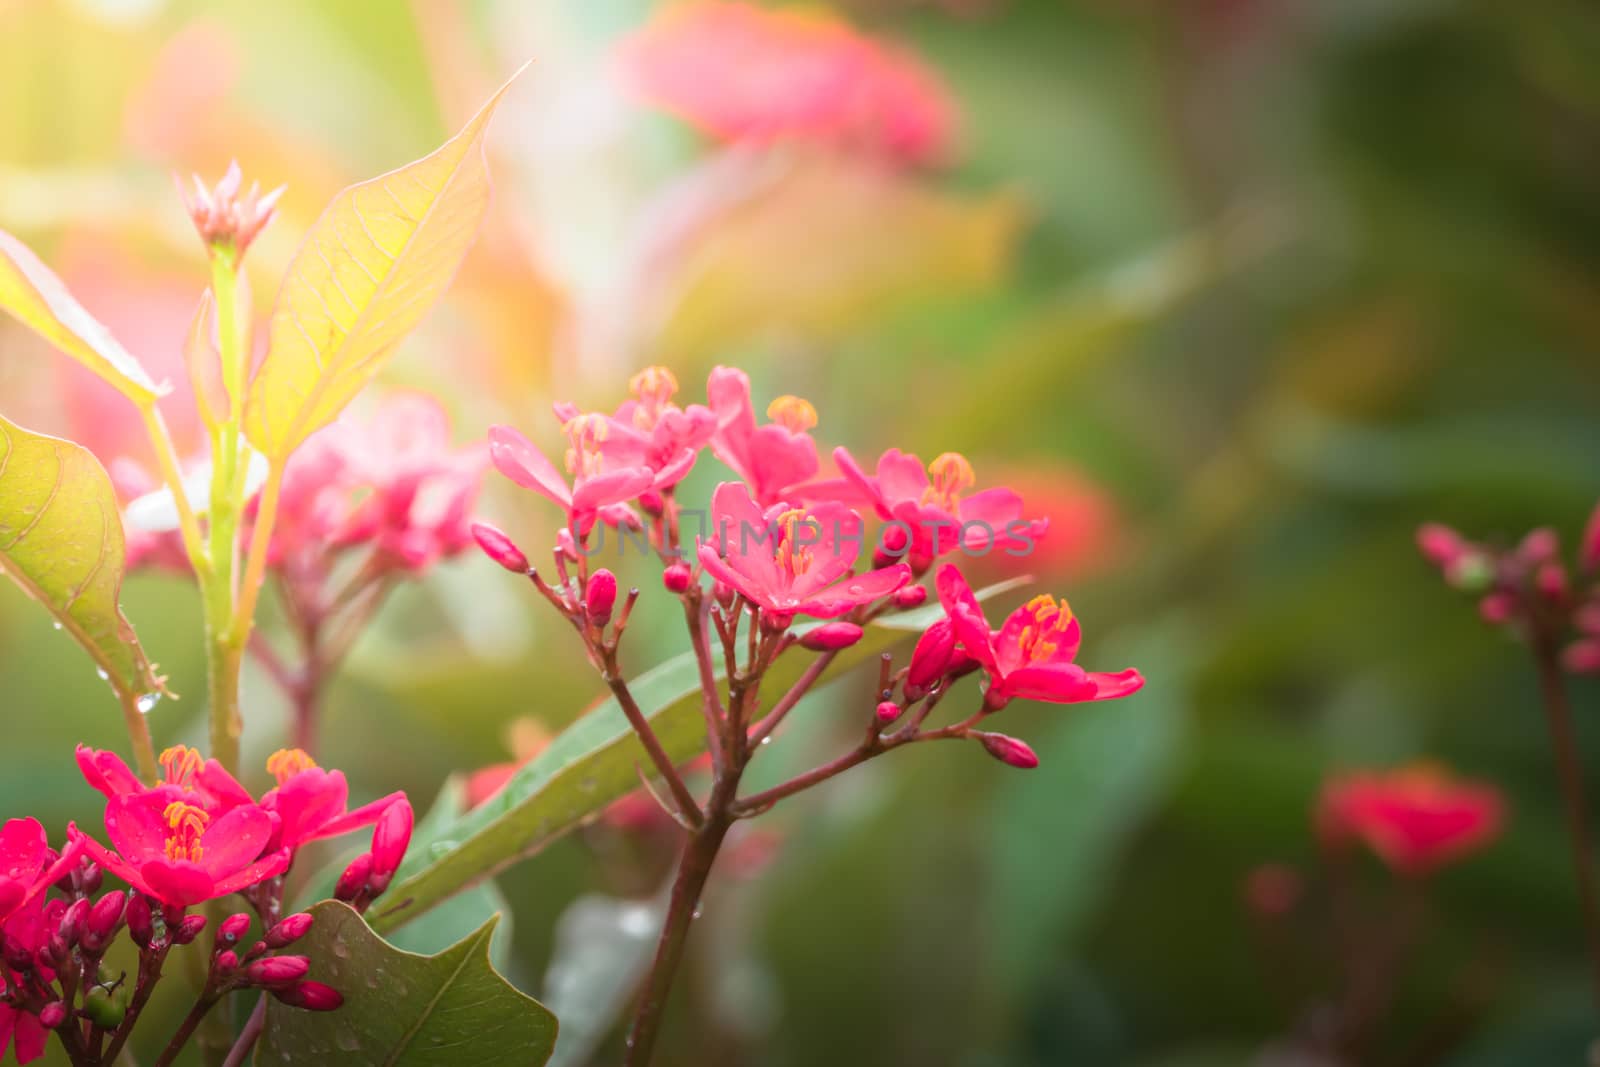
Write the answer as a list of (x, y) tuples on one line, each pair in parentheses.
[(1240, 291)]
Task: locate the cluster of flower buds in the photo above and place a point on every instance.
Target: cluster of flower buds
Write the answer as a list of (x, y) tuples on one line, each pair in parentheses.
[(262, 966), (370, 873), (1529, 587)]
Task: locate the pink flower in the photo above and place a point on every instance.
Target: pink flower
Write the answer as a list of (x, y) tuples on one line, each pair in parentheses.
[(932, 516), (650, 430), (186, 775), (178, 853), (1589, 547), (223, 218), (421, 491), (601, 485), (28, 866), (741, 73), (1416, 818), (792, 561), (773, 458), (311, 803), (1031, 655)]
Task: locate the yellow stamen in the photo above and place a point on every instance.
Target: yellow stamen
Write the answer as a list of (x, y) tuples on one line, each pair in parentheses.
[(792, 413), (794, 559), (949, 476), (653, 388), (285, 763), (181, 763), (587, 433), (185, 825), (1041, 637)]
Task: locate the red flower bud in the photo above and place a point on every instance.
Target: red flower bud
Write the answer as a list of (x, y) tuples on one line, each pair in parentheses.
[(911, 596), (1439, 543), (651, 503), (1589, 547), (831, 636), (390, 839), (1540, 546), (52, 1015), (354, 879), (677, 577), (289, 930), (187, 929), (500, 548), (73, 919), (226, 963), (1273, 889), (18, 957), (931, 656), (103, 921), (1582, 656), (601, 596), (1009, 750), (1551, 581), (277, 971), (89, 878), (312, 996), (1497, 608), (888, 712), (140, 923), (233, 928)]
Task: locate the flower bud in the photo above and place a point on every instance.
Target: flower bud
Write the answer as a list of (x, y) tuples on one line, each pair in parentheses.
[(1439, 543), (1497, 608), (893, 544), (312, 996), (89, 878), (289, 930), (1582, 656), (60, 952), (276, 971), (141, 925), (354, 879), (888, 712), (601, 596), (72, 920), (931, 656), (1273, 889), (1471, 572), (911, 596), (390, 839), (52, 1015), (226, 963), (103, 922), (18, 957), (187, 929), (652, 504), (676, 577), (1008, 750), (1540, 546), (500, 548), (233, 928), (1551, 581), (831, 636), (1589, 547)]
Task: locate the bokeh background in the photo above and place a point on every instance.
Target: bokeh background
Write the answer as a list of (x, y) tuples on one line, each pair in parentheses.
[(1237, 291)]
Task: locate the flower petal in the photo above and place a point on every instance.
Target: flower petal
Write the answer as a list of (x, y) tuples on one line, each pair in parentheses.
[(22, 848), (1118, 684), (519, 459), (135, 824), (180, 882), (365, 815), (109, 860), (852, 592), (305, 802), (268, 866), (235, 839), (966, 615), (107, 772)]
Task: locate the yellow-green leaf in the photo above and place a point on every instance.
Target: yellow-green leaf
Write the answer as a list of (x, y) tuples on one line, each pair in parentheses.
[(369, 270), (61, 541), (39, 299)]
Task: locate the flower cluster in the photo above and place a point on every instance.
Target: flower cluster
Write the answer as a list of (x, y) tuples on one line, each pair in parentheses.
[(742, 73), (1529, 588), (194, 836)]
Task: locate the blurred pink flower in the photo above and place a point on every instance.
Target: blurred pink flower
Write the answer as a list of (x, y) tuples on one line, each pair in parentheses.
[(772, 458), (650, 430), (742, 73), (1416, 818)]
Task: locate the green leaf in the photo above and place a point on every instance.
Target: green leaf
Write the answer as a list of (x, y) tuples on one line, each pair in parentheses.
[(369, 270), (39, 299), (405, 1010), (61, 541), (594, 761), (1058, 830)]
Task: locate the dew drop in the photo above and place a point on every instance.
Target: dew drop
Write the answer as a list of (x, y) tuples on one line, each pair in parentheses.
[(56, 625), (101, 671), (341, 950), (147, 703), (441, 848), (767, 740), (347, 1040)]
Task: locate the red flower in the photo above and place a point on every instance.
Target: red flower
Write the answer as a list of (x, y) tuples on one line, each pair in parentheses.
[(178, 853), (773, 458), (791, 561), (932, 515), (310, 803), (1031, 655), (28, 867), (1416, 818), (742, 73), (602, 484)]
